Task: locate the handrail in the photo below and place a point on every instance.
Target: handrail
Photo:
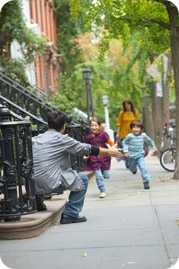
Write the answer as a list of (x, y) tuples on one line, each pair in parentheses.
[(33, 89), (23, 111), (25, 103), (22, 90)]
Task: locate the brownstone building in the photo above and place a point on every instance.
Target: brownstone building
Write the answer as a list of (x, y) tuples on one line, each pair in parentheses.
[(39, 16), (42, 14)]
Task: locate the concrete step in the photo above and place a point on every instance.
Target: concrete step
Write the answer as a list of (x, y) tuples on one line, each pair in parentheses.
[(32, 225)]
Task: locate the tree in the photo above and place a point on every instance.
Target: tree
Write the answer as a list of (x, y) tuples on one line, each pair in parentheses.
[(131, 18), (112, 75), (174, 34), (155, 19), (68, 28)]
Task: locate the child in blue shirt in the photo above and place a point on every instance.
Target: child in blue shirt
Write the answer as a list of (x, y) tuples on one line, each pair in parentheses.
[(133, 148)]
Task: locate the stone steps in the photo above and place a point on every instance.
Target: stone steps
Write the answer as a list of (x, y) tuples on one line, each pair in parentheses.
[(32, 225)]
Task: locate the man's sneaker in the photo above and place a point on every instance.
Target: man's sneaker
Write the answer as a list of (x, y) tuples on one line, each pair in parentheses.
[(48, 197), (40, 203), (68, 219), (146, 185), (102, 195)]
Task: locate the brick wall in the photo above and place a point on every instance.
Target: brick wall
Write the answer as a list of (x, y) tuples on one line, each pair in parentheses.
[(42, 13)]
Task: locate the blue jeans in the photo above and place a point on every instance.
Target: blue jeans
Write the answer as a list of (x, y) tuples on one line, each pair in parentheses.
[(139, 162), (100, 176), (76, 200)]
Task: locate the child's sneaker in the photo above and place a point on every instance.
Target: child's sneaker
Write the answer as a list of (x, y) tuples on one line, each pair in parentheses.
[(102, 195), (146, 185)]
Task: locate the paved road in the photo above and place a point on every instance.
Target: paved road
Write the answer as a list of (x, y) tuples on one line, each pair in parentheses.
[(130, 228)]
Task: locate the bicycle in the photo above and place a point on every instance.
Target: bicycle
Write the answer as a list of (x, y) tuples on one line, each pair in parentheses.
[(168, 155)]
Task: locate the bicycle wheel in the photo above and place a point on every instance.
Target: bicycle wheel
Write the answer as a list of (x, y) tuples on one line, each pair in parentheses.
[(167, 159)]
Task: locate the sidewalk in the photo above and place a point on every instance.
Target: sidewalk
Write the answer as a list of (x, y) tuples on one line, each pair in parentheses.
[(130, 228)]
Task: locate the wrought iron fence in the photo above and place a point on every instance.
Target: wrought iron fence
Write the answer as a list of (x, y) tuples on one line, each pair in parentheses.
[(32, 101), (23, 114), (16, 186), (25, 104), (78, 131)]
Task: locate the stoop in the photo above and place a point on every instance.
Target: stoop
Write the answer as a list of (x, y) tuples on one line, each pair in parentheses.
[(32, 225)]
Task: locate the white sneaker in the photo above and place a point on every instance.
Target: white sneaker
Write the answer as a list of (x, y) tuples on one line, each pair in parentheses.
[(102, 195)]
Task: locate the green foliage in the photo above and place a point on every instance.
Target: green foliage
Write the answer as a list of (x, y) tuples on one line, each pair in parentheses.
[(142, 25), (68, 28), (32, 44), (13, 27), (124, 18), (111, 80), (15, 69), (71, 91)]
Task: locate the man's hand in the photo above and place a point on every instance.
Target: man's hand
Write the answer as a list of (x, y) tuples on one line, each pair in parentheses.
[(113, 152), (126, 154), (115, 146)]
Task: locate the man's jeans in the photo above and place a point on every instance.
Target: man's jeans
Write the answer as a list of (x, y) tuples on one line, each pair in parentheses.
[(76, 199), (100, 176), (139, 162)]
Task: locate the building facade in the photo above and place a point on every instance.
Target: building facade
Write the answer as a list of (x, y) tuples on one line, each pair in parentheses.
[(42, 17), (39, 16)]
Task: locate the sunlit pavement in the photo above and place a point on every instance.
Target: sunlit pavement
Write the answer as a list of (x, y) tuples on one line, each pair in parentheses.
[(130, 228)]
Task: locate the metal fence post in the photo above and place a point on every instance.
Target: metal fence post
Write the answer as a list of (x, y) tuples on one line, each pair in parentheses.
[(9, 205), (16, 186)]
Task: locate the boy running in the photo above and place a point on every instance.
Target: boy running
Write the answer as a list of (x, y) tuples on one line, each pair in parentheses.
[(133, 148)]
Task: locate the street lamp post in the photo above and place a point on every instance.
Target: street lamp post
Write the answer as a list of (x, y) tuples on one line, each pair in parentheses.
[(87, 77), (105, 100)]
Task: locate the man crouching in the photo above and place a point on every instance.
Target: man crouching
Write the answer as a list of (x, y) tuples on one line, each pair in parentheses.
[(52, 170)]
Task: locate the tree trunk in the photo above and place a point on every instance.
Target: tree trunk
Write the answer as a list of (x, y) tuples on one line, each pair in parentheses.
[(166, 96), (166, 62), (174, 31), (156, 115), (147, 117)]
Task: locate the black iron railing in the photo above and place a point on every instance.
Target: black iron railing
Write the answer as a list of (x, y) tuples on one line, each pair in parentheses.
[(32, 100), (78, 132), (23, 113), (31, 104), (17, 194), (38, 124)]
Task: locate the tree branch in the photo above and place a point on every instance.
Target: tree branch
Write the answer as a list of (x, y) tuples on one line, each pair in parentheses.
[(161, 1), (148, 22)]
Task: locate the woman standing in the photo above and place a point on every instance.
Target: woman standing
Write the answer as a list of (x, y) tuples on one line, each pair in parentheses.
[(125, 118)]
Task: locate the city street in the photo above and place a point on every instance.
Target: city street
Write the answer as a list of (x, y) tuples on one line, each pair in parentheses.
[(130, 228)]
